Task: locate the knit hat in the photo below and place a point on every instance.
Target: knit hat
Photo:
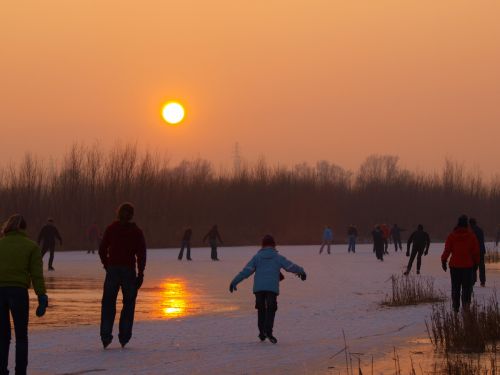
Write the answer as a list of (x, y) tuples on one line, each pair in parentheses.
[(14, 223), (462, 221), (268, 241)]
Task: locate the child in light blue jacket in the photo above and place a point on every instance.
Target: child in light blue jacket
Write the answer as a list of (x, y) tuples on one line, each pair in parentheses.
[(266, 264)]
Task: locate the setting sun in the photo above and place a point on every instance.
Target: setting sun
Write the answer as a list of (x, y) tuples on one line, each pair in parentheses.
[(173, 113)]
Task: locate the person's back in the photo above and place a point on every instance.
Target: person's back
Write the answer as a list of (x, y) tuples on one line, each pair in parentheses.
[(463, 247), (378, 238), (420, 239), (187, 234), (327, 234), (48, 235)]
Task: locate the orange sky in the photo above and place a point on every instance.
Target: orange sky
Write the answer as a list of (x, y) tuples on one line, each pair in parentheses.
[(290, 80)]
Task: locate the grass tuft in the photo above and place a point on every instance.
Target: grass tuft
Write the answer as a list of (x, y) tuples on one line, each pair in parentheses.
[(412, 290)]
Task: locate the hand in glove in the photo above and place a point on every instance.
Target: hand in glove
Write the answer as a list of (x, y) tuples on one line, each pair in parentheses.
[(302, 276), (232, 287), (426, 252), (43, 303), (138, 281), (444, 266)]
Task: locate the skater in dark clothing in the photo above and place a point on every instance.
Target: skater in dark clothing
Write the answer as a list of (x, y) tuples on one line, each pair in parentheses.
[(396, 237), (20, 267), (482, 251), (352, 235), (213, 238), (266, 265), (186, 243), (386, 232), (497, 240), (94, 237), (378, 243), (47, 239), (122, 248), (421, 242), (463, 247)]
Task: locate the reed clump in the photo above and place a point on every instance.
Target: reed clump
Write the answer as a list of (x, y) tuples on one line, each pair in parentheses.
[(492, 255), (412, 290)]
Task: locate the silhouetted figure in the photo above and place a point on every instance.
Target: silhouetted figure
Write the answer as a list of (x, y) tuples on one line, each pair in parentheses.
[(47, 239), (421, 243), (482, 252), (396, 237), (385, 235), (378, 243), (463, 246), (327, 239), (186, 243), (122, 248), (498, 236), (94, 237), (20, 266), (352, 236), (266, 264), (213, 238)]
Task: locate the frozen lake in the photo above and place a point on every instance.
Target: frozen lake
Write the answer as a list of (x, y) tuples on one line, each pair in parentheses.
[(187, 322)]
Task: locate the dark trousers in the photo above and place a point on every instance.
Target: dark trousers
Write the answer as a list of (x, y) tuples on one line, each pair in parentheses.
[(397, 243), (386, 245), (50, 248), (379, 252), (118, 277), (415, 252), (14, 301), (187, 245), (461, 286), (213, 253), (352, 244), (266, 304), (482, 270)]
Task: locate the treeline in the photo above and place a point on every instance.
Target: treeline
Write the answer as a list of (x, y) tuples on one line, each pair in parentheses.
[(293, 203)]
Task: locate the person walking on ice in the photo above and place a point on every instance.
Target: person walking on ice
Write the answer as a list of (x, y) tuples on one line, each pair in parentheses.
[(122, 248), (47, 238), (352, 235), (463, 247), (327, 239), (266, 265), (186, 243), (213, 238), (421, 242)]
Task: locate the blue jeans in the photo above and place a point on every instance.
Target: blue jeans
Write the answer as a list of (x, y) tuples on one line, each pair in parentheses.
[(187, 245), (352, 244), (118, 277), (15, 301)]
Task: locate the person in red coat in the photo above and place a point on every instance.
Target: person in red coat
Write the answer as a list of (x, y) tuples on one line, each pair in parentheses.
[(122, 249), (463, 246)]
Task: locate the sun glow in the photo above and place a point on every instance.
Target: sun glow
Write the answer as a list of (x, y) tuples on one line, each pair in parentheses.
[(175, 298), (173, 113)]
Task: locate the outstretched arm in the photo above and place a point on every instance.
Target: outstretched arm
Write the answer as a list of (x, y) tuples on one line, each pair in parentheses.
[(289, 266), (245, 273)]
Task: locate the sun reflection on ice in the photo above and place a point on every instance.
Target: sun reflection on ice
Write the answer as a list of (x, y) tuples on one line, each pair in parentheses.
[(176, 300)]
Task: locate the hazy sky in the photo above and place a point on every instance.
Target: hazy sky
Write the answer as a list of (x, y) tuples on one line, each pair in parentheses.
[(290, 80)]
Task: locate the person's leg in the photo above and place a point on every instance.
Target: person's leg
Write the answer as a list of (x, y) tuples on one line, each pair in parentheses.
[(467, 284), (260, 305), (188, 250), (181, 252), (51, 259), (5, 333), (395, 244), (456, 283), (419, 259), (322, 246), (216, 256), (328, 244), (400, 244), (386, 246), (44, 250), (271, 308), (19, 307), (354, 244), (410, 261), (108, 305), (129, 292), (482, 270)]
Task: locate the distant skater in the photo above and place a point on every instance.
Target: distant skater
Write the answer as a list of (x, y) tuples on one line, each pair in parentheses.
[(396, 237), (20, 267), (214, 239), (352, 236), (497, 239), (378, 243), (186, 243), (47, 239), (482, 252), (122, 248), (385, 235), (327, 239), (421, 243), (94, 238), (463, 247), (266, 265)]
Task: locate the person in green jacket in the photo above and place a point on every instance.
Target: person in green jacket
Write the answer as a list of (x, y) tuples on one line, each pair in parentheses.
[(20, 265)]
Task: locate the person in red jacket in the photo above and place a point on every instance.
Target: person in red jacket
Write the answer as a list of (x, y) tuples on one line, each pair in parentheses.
[(121, 249), (463, 247)]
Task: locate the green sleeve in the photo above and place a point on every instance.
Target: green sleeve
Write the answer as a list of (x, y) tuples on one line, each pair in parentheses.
[(36, 271)]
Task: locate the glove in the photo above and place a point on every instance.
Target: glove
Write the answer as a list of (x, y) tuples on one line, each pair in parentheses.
[(444, 266), (232, 287), (407, 253), (43, 303), (282, 277), (138, 281), (302, 276), (427, 252)]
